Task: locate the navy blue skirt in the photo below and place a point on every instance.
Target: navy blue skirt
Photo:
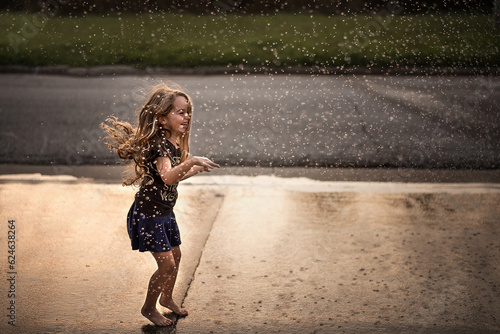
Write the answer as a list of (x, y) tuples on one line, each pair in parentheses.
[(152, 234)]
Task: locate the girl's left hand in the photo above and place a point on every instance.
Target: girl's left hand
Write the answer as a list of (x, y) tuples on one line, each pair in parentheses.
[(206, 163)]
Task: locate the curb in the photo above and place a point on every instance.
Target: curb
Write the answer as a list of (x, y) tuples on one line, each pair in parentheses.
[(114, 173), (117, 70)]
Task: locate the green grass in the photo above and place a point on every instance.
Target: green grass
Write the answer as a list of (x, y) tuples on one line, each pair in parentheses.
[(170, 40)]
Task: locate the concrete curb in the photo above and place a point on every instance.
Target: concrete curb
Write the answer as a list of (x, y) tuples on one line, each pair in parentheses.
[(115, 70), (113, 174)]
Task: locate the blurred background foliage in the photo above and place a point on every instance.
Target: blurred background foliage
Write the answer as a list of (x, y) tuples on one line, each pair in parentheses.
[(338, 7), (181, 33)]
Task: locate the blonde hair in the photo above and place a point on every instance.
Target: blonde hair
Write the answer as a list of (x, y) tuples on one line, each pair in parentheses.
[(133, 143)]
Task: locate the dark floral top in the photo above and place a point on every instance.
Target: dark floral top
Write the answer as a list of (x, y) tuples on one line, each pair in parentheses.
[(155, 197)]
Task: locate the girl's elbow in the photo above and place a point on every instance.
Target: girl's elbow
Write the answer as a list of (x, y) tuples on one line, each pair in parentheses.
[(168, 181), (172, 178)]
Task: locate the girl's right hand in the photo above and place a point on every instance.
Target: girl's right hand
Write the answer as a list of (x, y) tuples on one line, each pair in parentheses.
[(206, 163)]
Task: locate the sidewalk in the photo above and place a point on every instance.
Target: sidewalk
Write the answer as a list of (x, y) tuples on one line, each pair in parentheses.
[(260, 254)]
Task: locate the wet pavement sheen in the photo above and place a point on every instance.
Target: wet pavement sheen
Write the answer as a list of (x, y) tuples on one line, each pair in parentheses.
[(260, 254)]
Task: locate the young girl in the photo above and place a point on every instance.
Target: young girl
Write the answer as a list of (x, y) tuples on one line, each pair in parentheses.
[(159, 148)]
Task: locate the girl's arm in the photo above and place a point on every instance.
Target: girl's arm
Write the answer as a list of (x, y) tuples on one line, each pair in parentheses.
[(193, 171), (193, 165)]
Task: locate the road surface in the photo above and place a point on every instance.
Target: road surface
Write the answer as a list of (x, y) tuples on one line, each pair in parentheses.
[(266, 120)]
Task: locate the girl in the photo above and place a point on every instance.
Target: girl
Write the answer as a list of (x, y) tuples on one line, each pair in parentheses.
[(159, 148)]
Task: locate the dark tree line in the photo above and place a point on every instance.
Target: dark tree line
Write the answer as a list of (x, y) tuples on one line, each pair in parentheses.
[(78, 7)]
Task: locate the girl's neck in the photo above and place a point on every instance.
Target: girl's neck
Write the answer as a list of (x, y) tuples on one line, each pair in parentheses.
[(173, 141), (170, 136)]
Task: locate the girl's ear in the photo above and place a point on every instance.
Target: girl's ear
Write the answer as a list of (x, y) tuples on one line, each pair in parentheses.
[(162, 120)]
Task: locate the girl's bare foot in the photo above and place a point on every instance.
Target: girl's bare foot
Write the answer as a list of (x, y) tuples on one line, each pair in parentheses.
[(156, 317), (171, 305)]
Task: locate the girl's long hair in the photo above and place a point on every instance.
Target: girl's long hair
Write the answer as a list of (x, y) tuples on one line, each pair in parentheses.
[(134, 143)]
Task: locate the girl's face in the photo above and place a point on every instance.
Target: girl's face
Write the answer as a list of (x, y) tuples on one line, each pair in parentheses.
[(177, 120)]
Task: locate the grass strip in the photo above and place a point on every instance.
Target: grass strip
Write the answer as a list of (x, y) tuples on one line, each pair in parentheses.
[(174, 40)]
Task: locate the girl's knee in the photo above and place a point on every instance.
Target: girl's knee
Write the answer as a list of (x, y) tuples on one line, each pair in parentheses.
[(167, 271), (177, 254), (166, 263)]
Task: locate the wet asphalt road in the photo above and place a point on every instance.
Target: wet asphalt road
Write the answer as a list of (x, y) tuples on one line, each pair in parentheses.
[(278, 120)]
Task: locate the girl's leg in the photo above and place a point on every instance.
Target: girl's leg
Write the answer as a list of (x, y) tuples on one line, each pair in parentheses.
[(166, 268), (166, 296)]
